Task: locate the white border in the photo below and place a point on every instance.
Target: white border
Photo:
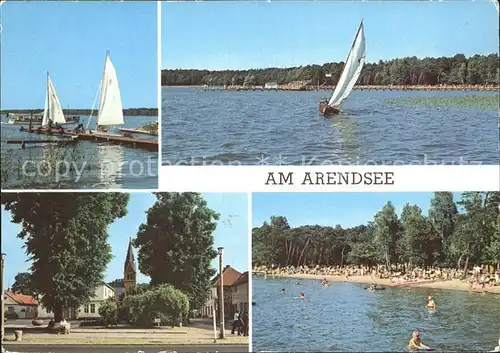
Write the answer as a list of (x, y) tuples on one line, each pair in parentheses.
[(159, 56), (253, 178)]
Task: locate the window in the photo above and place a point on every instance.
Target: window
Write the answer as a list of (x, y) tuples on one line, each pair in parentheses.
[(48, 311), (86, 309), (92, 308), (10, 309)]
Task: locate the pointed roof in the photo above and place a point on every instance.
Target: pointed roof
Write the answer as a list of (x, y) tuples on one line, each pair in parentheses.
[(230, 275), (130, 256), (22, 299), (243, 279)]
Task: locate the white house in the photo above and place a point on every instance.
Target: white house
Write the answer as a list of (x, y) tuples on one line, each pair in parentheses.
[(20, 306), (271, 85), (240, 293), (91, 310)]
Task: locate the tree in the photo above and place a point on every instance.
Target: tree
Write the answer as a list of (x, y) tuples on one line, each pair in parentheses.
[(22, 284), (442, 214), (109, 311), (65, 236), (176, 244), (386, 233)]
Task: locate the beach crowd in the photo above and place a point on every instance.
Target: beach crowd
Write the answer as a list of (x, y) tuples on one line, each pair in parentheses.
[(477, 277)]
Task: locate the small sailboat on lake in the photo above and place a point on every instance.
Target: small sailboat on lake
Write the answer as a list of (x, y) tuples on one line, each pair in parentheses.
[(110, 111), (350, 74), (52, 113)]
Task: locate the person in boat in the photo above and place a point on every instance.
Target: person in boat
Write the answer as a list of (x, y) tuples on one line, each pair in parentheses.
[(79, 128), (302, 295), (416, 343), (430, 303)]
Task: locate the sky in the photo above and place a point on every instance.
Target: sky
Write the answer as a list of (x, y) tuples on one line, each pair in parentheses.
[(241, 35), (231, 233), (70, 40), (330, 209)]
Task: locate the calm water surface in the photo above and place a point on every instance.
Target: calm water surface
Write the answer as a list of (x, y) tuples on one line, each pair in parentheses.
[(276, 128), (345, 317), (106, 165)]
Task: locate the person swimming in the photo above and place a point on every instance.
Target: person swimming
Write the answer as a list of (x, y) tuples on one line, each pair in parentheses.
[(302, 295), (430, 303), (283, 291), (416, 343), (324, 282)]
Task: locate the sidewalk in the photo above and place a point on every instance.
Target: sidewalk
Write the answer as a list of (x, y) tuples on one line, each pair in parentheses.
[(175, 336)]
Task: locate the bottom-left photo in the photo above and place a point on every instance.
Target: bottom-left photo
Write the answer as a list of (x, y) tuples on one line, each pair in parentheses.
[(125, 272)]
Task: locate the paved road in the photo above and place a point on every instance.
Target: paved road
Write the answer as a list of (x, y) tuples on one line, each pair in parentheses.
[(24, 348)]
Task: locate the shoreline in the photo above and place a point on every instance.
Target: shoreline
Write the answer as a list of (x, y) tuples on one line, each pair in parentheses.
[(453, 284), (458, 88)]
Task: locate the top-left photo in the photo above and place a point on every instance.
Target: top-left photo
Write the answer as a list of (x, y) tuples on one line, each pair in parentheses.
[(79, 95)]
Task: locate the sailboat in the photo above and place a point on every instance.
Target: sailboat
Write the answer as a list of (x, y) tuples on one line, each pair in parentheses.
[(52, 113), (350, 74), (110, 101)]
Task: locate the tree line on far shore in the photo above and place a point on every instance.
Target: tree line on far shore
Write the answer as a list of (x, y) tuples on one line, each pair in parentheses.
[(126, 112), (66, 239), (456, 70), (452, 234)]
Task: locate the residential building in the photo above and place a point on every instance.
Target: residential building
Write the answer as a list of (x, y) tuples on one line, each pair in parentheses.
[(271, 85), (240, 293), (230, 276), (24, 306), (91, 310)]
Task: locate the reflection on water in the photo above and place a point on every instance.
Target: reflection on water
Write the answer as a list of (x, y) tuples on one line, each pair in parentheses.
[(94, 165), (345, 317), (286, 128)]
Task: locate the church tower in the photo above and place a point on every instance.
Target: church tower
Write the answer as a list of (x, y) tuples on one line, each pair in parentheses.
[(129, 271)]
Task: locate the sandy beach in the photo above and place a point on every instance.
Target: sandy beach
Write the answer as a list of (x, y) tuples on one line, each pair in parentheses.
[(453, 284)]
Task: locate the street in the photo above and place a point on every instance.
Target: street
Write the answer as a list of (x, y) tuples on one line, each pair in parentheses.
[(212, 348)]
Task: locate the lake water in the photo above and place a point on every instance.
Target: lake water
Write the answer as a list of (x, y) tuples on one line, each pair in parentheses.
[(281, 128), (105, 166), (345, 317)]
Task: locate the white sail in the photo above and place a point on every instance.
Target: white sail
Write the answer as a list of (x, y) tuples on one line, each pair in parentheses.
[(352, 69), (110, 101), (53, 110), (497, 5)]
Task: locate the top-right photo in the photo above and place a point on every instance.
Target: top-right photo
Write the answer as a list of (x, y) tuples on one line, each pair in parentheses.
[(321, 83)]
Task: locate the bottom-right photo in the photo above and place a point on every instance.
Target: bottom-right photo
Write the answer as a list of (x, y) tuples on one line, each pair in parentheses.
[(376, 271)]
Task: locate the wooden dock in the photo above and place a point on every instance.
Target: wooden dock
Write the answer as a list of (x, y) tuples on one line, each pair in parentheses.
[(149, 145), (139, 131)]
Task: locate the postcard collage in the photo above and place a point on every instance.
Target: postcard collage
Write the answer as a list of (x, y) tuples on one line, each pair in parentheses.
[(250, 176)]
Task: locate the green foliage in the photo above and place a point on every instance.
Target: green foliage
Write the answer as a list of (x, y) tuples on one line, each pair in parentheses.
[(176, 244), (109, 311), (22, 284), (472, 101), (413, 239), (65, 236), (163, 302), (478, 69)]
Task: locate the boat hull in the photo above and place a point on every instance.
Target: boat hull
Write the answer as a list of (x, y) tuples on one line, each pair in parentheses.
[(327, 110)]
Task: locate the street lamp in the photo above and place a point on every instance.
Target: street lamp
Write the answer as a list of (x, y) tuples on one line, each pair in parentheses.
[(3, 299), (220, 250)]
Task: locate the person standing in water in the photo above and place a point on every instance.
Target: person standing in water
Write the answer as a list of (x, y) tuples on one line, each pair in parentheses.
[(416, 343), (430, 303), (302, 295), (283, 291)]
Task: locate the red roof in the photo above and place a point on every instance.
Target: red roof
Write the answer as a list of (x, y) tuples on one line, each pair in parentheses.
[(230, 275), (242, 280), (22, 299)]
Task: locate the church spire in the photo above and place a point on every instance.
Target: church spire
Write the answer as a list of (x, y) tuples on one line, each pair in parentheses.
[(129, 269)]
